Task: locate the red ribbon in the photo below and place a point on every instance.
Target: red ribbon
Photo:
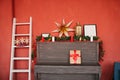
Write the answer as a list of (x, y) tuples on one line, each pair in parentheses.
[(74, 56)]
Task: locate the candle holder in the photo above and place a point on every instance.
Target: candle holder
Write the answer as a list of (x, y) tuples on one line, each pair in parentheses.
[(78, 29)]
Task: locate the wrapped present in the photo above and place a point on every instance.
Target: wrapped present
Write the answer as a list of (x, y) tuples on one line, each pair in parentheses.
[(75, 57)]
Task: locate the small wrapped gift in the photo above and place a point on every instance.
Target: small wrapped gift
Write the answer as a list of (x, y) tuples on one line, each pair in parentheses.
[(75, 57)]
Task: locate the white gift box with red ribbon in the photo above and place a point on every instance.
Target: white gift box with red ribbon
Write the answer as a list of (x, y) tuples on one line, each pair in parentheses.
[(75, 57)]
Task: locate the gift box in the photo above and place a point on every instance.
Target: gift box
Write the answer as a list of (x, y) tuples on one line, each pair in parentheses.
[(75, 57)]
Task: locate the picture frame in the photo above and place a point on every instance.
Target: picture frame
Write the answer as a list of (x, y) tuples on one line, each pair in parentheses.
[(45, 35), (90, 30)]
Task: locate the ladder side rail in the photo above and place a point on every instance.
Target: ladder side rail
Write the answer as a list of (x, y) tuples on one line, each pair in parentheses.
[(12, 49), (30, 48)]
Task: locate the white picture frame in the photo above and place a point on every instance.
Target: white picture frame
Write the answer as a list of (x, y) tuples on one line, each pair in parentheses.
[(90, 30), (45, 35)]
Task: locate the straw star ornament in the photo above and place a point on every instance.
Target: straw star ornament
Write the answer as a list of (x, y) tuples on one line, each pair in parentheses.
[(63, 28)]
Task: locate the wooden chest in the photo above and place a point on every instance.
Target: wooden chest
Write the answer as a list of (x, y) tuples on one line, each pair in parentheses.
[(53, 61)]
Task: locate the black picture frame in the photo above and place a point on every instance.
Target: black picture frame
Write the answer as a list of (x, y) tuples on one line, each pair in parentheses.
[(90, 30)]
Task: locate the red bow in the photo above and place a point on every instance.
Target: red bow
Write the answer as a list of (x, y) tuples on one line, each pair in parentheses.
[(74, 56)]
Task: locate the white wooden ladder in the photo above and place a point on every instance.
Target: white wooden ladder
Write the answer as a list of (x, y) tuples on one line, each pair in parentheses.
[(29, 46)]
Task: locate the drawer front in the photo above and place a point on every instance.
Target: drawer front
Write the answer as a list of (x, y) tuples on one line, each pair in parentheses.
[(68, 77), (67, 69)]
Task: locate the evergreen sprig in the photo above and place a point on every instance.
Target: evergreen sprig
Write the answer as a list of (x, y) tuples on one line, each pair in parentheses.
[(63, 38), (38, 38), (84, 38)]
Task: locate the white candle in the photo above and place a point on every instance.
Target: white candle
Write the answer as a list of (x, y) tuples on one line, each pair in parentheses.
[(91, 38), (53, 39)]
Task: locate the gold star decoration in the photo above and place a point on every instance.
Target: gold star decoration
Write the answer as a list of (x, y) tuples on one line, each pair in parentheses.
[(63, 28), (17, 42), (22, 40)]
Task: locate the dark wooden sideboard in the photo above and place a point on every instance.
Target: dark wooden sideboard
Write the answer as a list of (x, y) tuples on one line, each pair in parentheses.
[(53, 61)]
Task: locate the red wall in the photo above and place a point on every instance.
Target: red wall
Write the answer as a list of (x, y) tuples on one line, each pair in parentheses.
[(104, 13), (5, 37)]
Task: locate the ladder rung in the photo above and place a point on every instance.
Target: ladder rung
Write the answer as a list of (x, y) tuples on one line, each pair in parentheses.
[(22, 34), (22, 23), (21, 58), (21, 46), (20, 70)]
